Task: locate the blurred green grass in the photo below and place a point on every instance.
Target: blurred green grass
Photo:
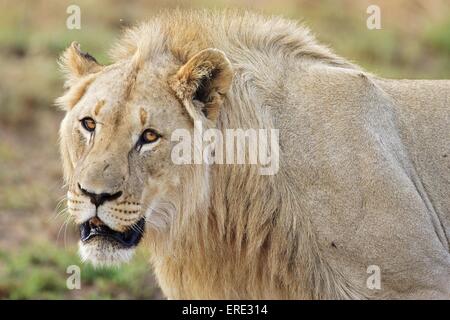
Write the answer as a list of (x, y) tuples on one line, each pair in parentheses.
[(414, 42), (39, 271)]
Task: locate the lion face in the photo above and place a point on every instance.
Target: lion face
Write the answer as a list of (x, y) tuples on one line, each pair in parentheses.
[(116, 149), (120, 149)]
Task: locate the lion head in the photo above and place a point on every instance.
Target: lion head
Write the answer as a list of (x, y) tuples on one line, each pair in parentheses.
[(115, 141)]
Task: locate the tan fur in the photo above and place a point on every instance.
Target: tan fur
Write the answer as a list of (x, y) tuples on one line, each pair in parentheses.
[(76, 64), (362, 180), (188, 80), (99, 107), (75, 93), (143, 116)]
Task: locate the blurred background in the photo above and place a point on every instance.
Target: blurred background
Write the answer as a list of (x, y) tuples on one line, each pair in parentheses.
[(36, 246)]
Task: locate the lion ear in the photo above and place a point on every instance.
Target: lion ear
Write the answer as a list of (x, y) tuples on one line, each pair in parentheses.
[(202, 83), (76, 64)]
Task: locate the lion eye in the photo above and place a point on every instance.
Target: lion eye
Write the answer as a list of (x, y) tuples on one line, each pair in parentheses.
[(149, 136), (88, 123)]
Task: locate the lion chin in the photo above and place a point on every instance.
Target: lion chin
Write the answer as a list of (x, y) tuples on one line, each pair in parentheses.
[(104, 253), (102, 246)]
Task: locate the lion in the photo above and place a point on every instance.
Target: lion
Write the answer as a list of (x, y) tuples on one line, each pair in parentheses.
[(359, 208)]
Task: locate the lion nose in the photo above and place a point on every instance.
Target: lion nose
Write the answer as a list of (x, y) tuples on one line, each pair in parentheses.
[(98, 199)]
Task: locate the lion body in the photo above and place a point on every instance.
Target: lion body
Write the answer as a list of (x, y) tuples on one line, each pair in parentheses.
[(363, 179)]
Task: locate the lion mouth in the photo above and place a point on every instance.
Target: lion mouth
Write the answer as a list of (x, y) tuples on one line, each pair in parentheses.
[(92, 229)]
